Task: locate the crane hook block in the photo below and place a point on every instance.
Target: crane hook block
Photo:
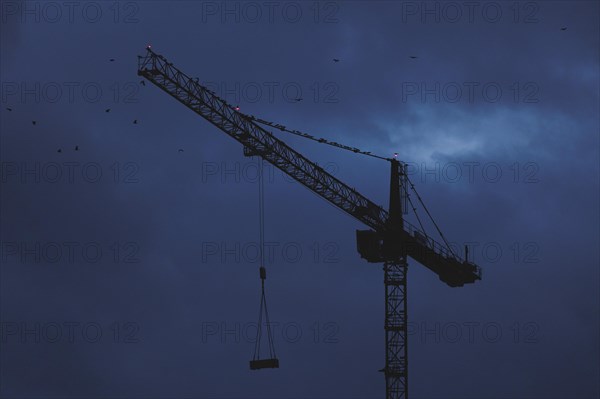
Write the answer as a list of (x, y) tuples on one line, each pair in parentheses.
[(263, 273)]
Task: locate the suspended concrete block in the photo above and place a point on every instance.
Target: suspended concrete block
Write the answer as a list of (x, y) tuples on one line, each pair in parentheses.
[(264, 364)]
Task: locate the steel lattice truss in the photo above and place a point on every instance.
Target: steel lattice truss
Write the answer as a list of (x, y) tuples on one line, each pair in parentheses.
[(258, 141), (396, 334), (391, 239)]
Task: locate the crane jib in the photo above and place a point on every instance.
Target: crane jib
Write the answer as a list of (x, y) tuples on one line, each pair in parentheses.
[(258, 141)]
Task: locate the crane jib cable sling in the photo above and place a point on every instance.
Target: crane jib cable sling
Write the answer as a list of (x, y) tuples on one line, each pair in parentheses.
[(317, 139)]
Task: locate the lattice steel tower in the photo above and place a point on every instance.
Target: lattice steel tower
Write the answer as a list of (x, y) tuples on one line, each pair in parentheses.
[(390, 239)]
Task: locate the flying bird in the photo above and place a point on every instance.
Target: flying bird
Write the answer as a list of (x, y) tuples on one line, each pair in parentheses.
[(76, 148), (563, 28), (298, 99), (413, 57), (135, 121), (336, 60), (59, 150), (8, 109), (107, 110), (143, 83), (181, 150), (33, 122), (112, 60)]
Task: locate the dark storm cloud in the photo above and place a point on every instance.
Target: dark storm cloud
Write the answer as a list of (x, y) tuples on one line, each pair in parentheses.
[(184, 311), (10, 33)]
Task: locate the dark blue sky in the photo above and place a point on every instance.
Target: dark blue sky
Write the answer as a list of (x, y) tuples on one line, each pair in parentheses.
[(498, 116)]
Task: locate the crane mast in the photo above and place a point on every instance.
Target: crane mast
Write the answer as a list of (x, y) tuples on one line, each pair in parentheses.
[(395, 269), (390, 239)]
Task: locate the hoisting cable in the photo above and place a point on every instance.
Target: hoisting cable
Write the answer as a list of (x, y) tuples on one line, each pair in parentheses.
[(412, 186), (272, 362), (261, 210)]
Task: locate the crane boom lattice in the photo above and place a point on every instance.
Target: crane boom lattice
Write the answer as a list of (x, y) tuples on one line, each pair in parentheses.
[(390, 239)]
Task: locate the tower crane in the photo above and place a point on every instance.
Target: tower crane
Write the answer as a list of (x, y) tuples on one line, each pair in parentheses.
[(390, 239)]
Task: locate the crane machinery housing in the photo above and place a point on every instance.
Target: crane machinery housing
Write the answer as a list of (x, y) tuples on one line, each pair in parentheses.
[(390, 239)]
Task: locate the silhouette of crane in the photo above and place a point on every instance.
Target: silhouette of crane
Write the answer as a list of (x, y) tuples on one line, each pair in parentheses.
[(390, 239)]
